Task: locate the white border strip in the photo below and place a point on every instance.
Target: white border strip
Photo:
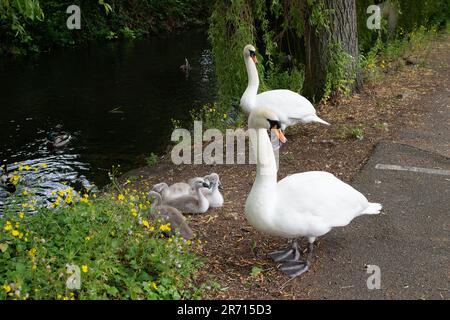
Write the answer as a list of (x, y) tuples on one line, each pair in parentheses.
[(412, 169)]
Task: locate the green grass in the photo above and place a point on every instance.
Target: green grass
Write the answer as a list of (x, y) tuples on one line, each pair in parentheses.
[(119, 252)]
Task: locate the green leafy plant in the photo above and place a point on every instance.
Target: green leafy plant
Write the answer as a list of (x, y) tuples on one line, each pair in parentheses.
[(339, 77), (89, 247), (256, 271), (152, 160), (349, 132), (128, 33)]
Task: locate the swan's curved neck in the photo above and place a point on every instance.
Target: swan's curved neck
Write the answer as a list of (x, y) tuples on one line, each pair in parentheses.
[(265, 157), (200, 195), (252, 73), (261, 201), (249, 96), (215, 188)]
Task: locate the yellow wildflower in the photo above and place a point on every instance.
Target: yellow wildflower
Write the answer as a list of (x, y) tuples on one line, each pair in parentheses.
[(27, 167), (44, 165), (21, 215), (87, 238), (7, 226), (24, 192), (68, 199), (120, 197), (7, 288), (85, 198), (15, 180), (165, 227), (152, 229), (15, 233), (145, 223), (32, 252), (134, 212), (84, 268)]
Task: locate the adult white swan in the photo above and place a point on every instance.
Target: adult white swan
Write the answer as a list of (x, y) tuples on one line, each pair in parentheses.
[(304, 204), (290, 107)]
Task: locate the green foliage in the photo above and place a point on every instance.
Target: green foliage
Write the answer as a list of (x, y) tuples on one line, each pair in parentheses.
[(256, 271), (412, 15), (14, 16), (395, 50), (231, 28), (348, 132), (265, 24), (121, 253), (23, 27), (212, 118), (340, 74), (369, 61), (152, 160)]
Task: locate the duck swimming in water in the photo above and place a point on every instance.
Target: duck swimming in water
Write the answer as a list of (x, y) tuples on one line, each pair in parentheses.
[(56, 141)]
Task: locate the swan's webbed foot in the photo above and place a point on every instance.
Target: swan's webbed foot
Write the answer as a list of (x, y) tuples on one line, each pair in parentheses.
[(282, 255), (294, 268), (291, 254)]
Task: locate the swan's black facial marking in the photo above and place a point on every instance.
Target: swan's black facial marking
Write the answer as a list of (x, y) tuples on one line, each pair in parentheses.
[(252, 53), (274, 124)]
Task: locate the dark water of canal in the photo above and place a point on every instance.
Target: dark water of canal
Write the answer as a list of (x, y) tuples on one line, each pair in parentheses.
[(117, 100)]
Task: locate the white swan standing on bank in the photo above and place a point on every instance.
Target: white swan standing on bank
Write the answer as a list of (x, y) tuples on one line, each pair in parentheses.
[(307, 204), (290, 107)]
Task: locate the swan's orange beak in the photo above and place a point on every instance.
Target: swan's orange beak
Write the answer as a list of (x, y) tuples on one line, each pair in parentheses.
[(254, 59), (280, 135)]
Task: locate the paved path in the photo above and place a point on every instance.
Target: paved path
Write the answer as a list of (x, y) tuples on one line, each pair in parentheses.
[(410, 240)]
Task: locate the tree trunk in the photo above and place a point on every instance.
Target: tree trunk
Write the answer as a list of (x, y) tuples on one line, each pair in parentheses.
[(343, 31)]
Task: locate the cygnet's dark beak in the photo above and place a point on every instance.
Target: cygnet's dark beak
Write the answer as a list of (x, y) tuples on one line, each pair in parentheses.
[(220, 185), (206, 185)]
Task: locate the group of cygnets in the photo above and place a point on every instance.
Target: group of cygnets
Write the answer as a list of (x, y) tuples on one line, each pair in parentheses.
[(194, 197)]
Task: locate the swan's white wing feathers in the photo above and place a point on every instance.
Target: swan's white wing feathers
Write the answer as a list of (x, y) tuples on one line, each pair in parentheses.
[(325, 200), (290, 106)]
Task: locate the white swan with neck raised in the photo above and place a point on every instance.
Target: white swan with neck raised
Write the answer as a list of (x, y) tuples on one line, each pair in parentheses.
[(290, 107), (307, 204)]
